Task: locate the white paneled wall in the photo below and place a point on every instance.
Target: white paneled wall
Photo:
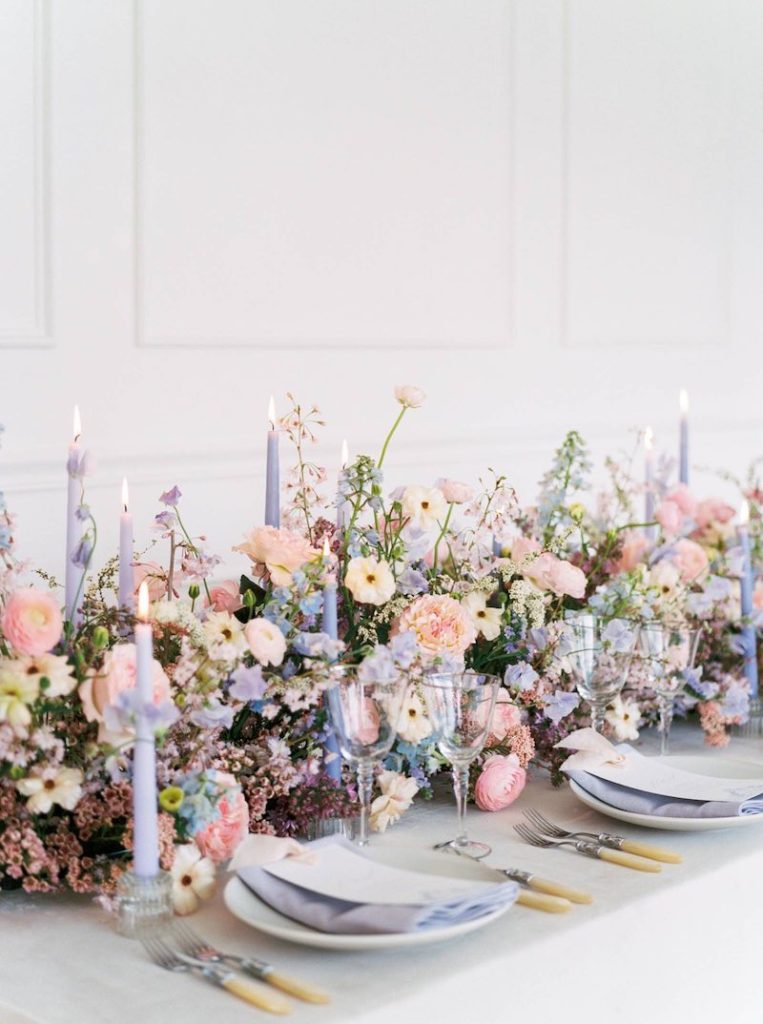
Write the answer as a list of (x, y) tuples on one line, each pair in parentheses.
[(547, 213)]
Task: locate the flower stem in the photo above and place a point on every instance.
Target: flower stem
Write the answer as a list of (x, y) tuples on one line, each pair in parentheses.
[(395, 425)]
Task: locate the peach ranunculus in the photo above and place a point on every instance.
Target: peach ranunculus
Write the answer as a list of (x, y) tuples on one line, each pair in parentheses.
[(118, 673), (500, 782), (409, 397), (713, 512), (32, 621), (682, 496), (506, 716), (279, 552), (155, 578), (670, 517), (225, 597), (551, 573), (635, 547), (690, 559), (440, 624), (218, 840), (454, 492)]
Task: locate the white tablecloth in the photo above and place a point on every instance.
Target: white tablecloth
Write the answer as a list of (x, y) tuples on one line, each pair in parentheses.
[(682, 946)]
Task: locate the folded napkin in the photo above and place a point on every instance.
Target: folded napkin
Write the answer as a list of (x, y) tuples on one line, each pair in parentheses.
[(327, 913)]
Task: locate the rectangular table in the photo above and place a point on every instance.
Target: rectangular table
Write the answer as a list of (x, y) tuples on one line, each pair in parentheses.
[(685, 945)]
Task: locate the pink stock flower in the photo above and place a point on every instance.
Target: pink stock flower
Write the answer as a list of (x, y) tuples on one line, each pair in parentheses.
[(682, 496), (634, 549), (118, 673), (670, 517), (32, 621), (690, 559), (713, 511), (225, 597), (219, 839), (500, 782), (440, 623), (551, 573), (280, 552)]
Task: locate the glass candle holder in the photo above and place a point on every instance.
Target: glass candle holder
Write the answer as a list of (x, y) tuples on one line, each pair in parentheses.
[(144, 904)]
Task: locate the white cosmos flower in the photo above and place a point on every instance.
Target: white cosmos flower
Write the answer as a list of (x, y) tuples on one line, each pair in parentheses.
[(397, 793), (424, 507), (62, 786), (413, 725), (193, 878), (409, 396), (53, 667), (665, 578), (624, 717), (224, 636), (17, 690), (266, 641), (369, 581), (486, 620)]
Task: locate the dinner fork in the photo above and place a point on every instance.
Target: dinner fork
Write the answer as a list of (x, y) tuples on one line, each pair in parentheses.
[(604, 838), (589, 849), (194, 946), (251, 991)]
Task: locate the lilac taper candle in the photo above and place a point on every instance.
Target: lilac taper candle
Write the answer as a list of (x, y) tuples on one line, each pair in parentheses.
[(683, 448), (341, 503), (146, 829), (749, 633), (74, 574), (272, 479), (126, 587), (649, 480), (330, 627)]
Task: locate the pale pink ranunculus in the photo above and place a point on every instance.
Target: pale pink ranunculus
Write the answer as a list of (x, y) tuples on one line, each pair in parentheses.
[(440, 624), (155, 579), (635, 547), (670, 517), (506, 716), (682, 496), (560, 577), (454, 492), (118, 673), (279, 552), (521, 547), (266, 641), (713, 511), (32, 621), (500, 782), (690, 559), (225, 597), (219, 839)]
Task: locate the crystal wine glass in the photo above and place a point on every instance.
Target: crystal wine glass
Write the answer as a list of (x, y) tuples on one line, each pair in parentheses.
[(460, 707), (668, 652), (365, 716), (599, 659)]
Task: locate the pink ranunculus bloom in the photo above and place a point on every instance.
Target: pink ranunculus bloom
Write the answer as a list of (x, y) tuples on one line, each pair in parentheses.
[(32, 621), (225, 597), (154, 576), (682, 496), (712, 511), (521, 547), (454, 492), (440, 623), (506, 716), (500, 782), (670, 517), (279, 552), (635, 547), (117, 673), (551, 573), (690, 559), (218, 840)]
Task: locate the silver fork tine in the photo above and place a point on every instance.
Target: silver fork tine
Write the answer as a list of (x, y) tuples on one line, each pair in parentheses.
[(539, 821), (529, 836), (188, 940), (158, 952)]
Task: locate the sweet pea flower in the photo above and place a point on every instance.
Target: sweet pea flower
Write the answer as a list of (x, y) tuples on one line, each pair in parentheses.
[(266, 641), (32, 621), (455, 493), (369, 580), (409, 397), (558, 705), (247, 683), (500, 782)]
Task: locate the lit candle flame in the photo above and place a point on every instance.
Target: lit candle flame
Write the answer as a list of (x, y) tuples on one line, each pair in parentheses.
[(683, 401), (143, 602), (345, 454), (76, 424), (744, 513), (125, 495), (326, 548), (272, 413), (648, 439)]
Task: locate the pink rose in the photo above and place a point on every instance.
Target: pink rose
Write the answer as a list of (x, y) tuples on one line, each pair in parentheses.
[(712, 511), (500, 782), (279, 552), (670, 517), (32, 621), (521, 547), (101, 688), (506, 716), (225, 597), (218, 840), (551, 573), (682, 496), (440, 623), (634, 549), (690, 560)]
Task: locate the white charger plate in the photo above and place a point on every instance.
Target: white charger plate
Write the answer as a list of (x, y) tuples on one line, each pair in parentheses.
[(723, 768), (248, 908)]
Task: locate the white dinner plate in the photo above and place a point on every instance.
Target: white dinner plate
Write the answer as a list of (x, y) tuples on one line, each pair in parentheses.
[(248, 908), (721, 767)]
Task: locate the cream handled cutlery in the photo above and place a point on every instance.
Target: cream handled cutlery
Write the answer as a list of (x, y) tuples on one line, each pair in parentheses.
[(590, 849), (604, 839)]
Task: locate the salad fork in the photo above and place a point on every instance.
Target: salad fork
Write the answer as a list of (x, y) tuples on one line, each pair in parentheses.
[(604, 839), (589, 849), (194, 946), (251, 991)]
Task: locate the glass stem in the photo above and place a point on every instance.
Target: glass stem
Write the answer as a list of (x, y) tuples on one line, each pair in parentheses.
[(598, 710), (666, 719), (461, 788), (365, 784)]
